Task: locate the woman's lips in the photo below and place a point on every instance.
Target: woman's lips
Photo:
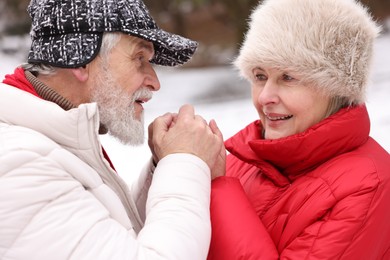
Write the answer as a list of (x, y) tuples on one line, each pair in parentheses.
[(276, 117)]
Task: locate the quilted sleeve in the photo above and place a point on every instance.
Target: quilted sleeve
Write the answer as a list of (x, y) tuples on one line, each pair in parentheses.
[(140, 188), (237, 232)]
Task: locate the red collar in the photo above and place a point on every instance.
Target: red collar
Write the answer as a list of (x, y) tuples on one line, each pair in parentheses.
[(296, 154), (18, 80)]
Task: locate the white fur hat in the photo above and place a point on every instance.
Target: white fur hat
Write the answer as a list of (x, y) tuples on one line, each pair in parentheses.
[(328, 43)]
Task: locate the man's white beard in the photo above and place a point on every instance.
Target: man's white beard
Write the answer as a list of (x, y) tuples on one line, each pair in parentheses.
[(116, 109)]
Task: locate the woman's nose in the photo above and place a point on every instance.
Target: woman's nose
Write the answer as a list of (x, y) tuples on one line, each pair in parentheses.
[(268, 94)]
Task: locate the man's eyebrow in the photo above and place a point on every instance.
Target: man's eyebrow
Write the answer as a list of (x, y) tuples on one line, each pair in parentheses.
[(146, 46)]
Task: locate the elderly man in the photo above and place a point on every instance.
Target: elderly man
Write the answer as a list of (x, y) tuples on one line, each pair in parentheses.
[(88, 73)]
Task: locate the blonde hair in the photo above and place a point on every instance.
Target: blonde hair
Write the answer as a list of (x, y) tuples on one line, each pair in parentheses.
[(336, 103)]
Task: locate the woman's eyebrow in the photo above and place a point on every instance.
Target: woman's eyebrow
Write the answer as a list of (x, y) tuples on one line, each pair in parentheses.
[(259, 68)]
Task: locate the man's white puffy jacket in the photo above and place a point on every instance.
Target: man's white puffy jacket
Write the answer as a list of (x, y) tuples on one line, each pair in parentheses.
[(60, 199)]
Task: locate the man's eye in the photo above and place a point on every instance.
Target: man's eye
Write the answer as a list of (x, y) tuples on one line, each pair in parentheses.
[(141, 57)]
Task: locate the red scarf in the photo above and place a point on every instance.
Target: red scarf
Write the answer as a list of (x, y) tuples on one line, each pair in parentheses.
[(18, 80)]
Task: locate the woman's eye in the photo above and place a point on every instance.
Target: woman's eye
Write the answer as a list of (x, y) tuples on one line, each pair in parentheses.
[(287, 77), (260, 76)]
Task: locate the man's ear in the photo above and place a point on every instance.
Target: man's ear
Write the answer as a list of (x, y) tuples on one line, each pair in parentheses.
[(81, 73)]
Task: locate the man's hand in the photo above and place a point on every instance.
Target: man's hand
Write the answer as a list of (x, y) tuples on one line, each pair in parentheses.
[(186, 132)]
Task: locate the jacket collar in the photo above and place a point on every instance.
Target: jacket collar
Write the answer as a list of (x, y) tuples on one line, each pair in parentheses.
[(19, 80), (294, 155), (70, 129), (27, 82)]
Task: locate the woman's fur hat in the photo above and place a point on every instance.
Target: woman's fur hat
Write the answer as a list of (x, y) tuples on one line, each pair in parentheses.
[(328, 43)]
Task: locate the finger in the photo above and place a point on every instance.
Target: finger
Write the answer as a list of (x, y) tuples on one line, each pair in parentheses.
[(150, 131), (162, 123), (215, 129), (174, 119), (200, 118), (186, 111)]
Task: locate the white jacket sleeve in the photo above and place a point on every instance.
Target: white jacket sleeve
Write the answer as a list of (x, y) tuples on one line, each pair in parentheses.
[(48, 214), (177, 209), (140, 188), (177, 224)]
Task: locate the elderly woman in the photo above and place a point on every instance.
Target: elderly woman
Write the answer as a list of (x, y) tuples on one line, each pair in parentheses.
[(306, 181)]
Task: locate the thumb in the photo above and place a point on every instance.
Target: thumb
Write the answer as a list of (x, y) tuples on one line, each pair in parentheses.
[(186, 111), (215, 129)]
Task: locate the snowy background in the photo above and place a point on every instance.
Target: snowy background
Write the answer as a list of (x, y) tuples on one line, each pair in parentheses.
[(218, 93)]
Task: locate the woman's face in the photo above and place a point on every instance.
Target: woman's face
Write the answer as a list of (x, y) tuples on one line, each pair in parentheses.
[(285, 106)]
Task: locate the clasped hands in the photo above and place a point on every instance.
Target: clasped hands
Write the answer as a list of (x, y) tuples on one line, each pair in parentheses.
[(186, 132)]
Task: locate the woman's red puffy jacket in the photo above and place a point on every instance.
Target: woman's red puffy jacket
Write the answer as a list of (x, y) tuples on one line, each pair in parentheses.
[(321, 194)]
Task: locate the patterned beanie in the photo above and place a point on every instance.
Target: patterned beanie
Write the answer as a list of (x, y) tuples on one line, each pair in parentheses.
[(327, 43), (68, 33)]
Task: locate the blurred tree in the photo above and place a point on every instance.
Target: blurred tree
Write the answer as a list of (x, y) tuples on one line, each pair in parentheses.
[(236, 13), (379, 8), (222, 22), (232, 13), (214, 23), (14, 17), (217, 24), (174, 12)]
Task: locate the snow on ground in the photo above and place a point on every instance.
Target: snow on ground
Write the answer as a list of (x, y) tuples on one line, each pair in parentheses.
[(218, 93)]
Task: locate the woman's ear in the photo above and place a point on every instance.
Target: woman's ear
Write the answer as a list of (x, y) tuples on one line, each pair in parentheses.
[(81, 73)]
